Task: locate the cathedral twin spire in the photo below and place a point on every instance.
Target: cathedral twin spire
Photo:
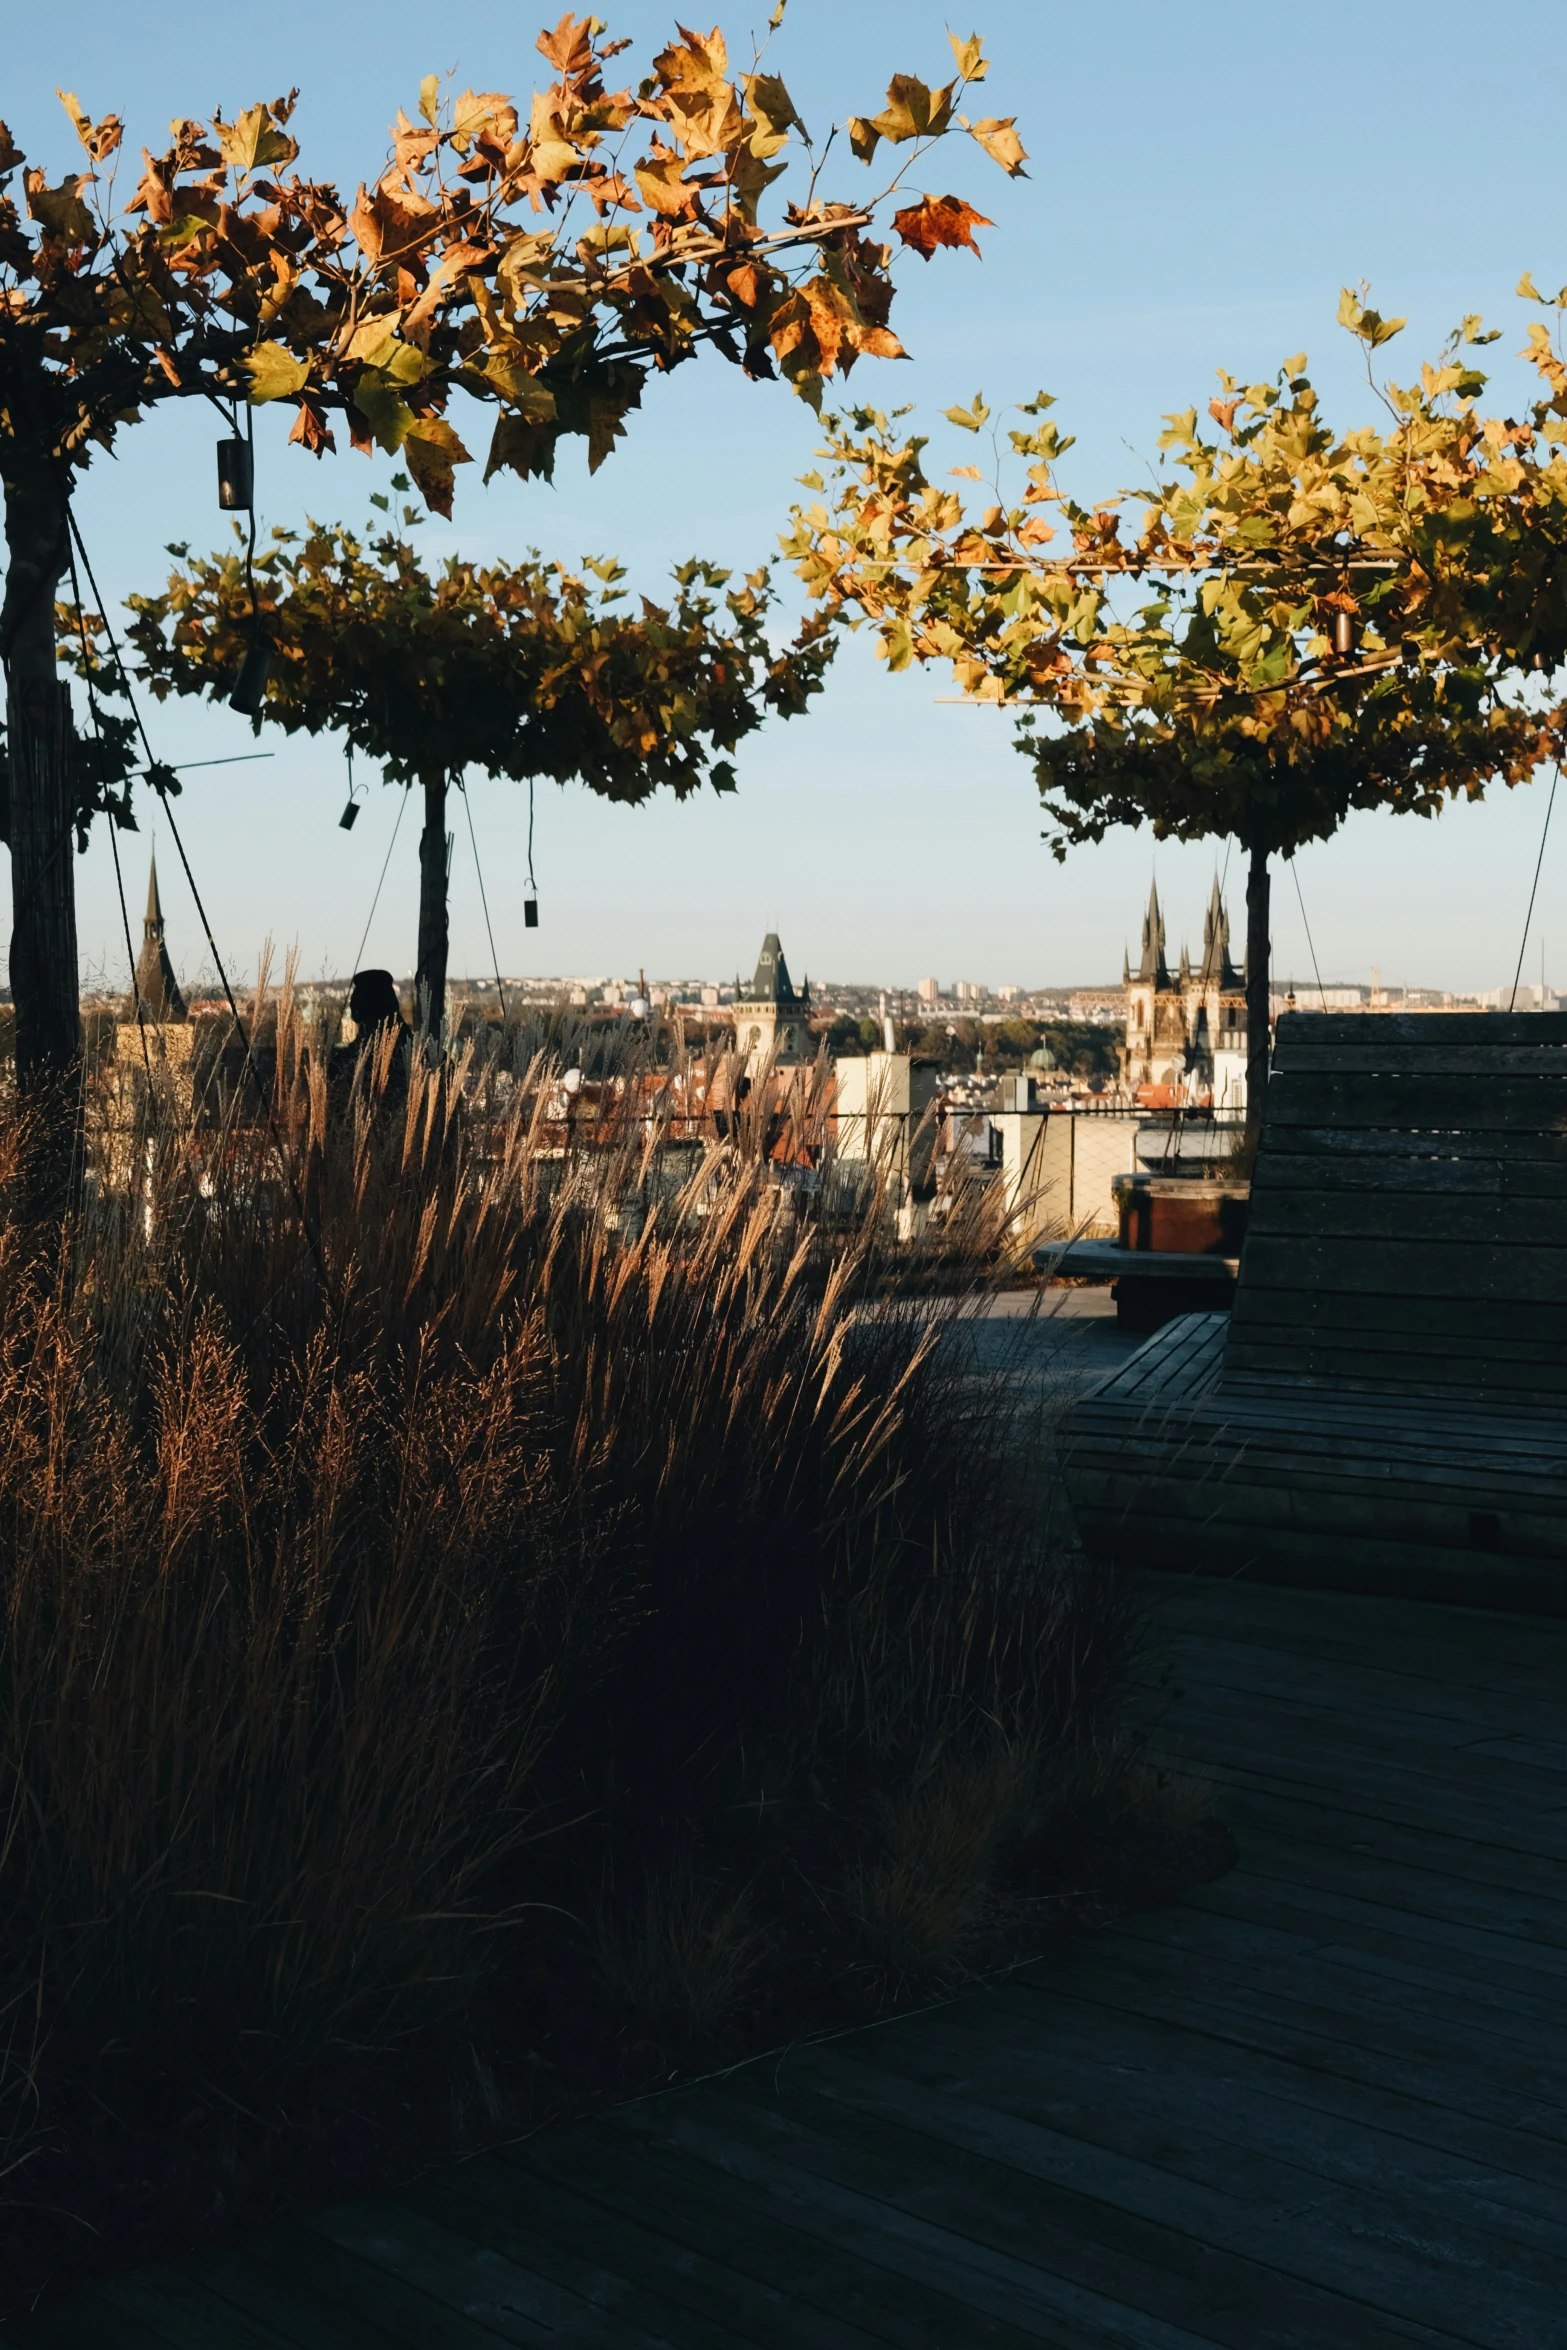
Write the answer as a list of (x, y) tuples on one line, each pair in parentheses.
[(1216, 969)]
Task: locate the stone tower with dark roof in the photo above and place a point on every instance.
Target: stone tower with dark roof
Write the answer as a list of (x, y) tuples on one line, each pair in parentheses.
[(1181, 1026), (1154, 1053), (156, 984), (772, 1021)]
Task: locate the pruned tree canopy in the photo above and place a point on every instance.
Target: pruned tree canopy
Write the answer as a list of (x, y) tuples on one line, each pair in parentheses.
[(521, 669)]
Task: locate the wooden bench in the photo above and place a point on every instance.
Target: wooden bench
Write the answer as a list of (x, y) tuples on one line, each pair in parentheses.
[(1386, 1406)]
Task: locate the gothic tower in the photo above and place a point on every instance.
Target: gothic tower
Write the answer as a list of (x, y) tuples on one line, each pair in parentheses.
[(772, 1021), (156, 984), (1154, 1053)]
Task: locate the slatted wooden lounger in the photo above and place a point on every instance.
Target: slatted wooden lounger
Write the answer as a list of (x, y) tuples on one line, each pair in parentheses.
[(1386, 1407)]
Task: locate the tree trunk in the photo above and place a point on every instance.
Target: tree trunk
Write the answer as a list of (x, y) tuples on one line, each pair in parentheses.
[(1258, 989), (43, 875), (430, 978)]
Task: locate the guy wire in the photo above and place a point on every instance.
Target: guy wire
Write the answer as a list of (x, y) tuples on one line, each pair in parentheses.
[(153, 773), (114, 846), (1523, 944), (462, 786), (1306, 926), (386, 861)]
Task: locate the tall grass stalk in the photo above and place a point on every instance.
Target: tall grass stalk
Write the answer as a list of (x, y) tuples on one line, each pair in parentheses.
[(423, 1515)]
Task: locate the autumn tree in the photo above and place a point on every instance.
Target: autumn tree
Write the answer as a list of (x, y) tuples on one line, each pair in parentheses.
[(1314, 640), (539, 263), (521, 669)]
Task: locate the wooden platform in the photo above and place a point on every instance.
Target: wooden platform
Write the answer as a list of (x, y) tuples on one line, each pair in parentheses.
[(1385, 1407), (1322, 2105)]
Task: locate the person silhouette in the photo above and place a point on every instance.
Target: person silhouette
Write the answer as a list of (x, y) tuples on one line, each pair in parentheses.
[(373, 1008)]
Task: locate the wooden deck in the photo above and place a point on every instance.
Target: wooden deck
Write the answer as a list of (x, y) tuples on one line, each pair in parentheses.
[(1323, 2102)]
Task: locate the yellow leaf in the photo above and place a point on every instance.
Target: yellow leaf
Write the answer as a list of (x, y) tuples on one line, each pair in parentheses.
[(1001, 143), (912, 111), (374, 339), (429, 99), (252, 143), (967, 473), (970, 54), (73, 107), (864, 137), (275, 374), (774, 110)]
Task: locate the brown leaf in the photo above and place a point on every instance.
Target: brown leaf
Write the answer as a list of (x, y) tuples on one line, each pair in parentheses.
[(10, 153), (430, 451), (701, 63), (569, 48), (605, 427), (60, 211), (1223, 413), (100, 139), (522, 447), (454, 263), (410, 145), (864, 137), (939, 220), (658, 177), (311, 429), (609, 192)]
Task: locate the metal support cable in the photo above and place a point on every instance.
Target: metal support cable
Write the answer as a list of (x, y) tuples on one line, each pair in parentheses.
[(462, 786), (1306, 926), (1523, 943), (114, 846), (385, 865), (155, 772)]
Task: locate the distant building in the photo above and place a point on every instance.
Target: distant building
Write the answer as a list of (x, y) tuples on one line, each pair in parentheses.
[(930, 991), (1185, 1036), (1097, 1003), (156, 985), (772, 1021), (970, 992)]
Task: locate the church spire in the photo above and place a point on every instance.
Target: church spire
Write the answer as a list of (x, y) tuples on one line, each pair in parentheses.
[(1217, 969), (156, 984), (1153, 965)]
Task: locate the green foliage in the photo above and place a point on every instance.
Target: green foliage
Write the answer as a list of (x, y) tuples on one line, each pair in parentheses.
[(521, 669), (1222, 704)]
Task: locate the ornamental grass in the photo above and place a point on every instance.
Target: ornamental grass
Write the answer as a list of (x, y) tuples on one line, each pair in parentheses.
[(500, 1585)]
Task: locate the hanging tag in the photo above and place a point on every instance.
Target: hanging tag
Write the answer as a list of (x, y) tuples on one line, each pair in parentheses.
[(530, 913)]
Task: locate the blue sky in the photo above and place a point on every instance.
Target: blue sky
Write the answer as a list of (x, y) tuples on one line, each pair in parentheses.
[(1202, 183)]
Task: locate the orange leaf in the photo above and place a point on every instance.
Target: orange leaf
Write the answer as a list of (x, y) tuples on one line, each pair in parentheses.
[(939, 220), (311, 429), (1223, 413)]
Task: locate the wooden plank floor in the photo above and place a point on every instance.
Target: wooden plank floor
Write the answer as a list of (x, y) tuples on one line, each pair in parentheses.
[(1323, 2102)]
